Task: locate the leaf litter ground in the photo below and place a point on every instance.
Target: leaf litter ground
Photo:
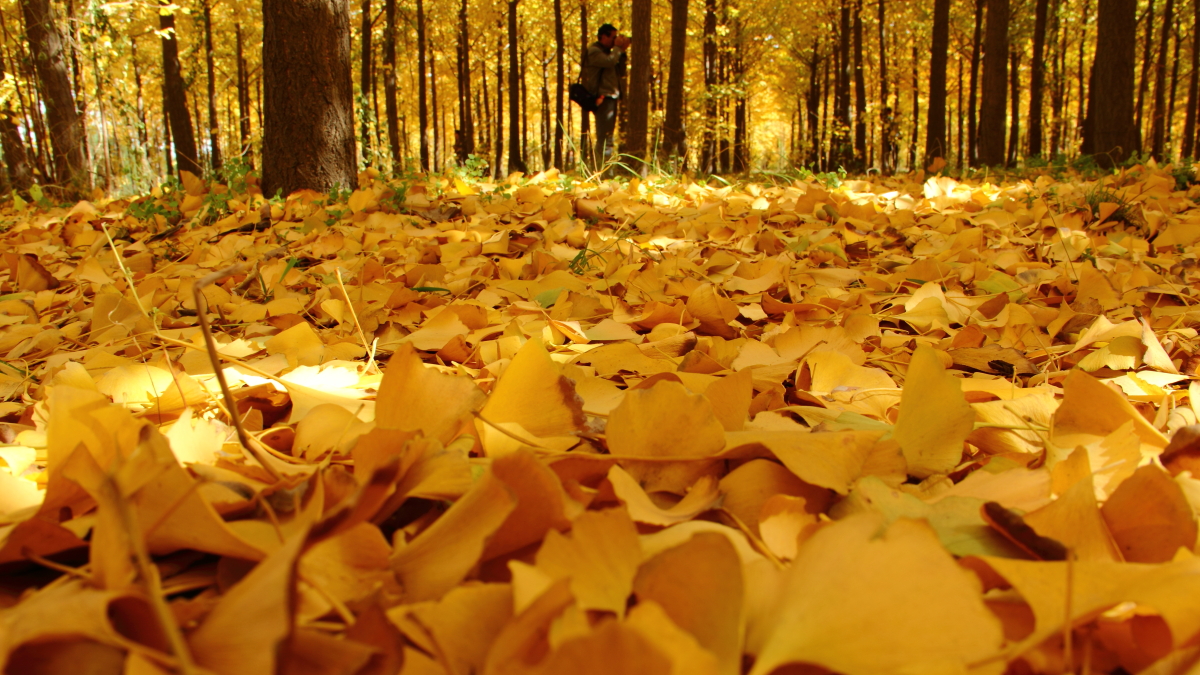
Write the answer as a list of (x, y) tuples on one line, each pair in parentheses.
[(551, 426)]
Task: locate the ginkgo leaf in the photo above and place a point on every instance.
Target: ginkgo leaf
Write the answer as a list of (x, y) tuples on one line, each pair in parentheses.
[(665, 420), (934, 417)]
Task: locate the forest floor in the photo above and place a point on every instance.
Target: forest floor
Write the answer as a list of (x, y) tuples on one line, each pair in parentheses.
[(551, 425)]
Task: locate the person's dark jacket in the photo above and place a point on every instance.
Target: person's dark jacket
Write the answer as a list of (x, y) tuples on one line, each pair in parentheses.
[(600, 69)]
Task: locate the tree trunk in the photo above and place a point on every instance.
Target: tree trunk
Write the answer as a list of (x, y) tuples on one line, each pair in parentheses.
[(885, 112), (1037, 78), (843, 151), (585, 136), (437, 121), (308, 141), (1112, 74), (812, 106), (66, 127), (243, 92), (972, 100), (1144, 80), (673, 135), (916, 109), (560, 80), (499, 139), (516, 162), (959, 111), (366, 63), (213, 123), (860, 93), (20, 174), (1189, 121), (1174, 84), (1158, 122), (422, 102), (1014, 130), (708, 148), (994, 99), (639, 84), (186, 158), (935, 126), (390, 106)]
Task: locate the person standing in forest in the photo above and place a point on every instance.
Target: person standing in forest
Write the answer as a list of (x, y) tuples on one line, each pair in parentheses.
[(600, 71)]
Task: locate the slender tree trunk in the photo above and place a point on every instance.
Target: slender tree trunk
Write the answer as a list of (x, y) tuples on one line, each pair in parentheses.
[(1084, 95), (1190, 113), (213, 122), (1037, 78), (547, 121), (708, 149), (639, 84), (560, 84), (673, 138), (1113, 83), (168, 162), (885, 112), (243, 93), (20, 174), (843, 151), (1144, 80), (860, 92), (1158, 122), (422, 76), (972, 100), (1058, 76), (499, 145), (516, 162), (959, 110), (437, 121), (66, 127), (812, 103), (585, 136), (1171, 98), (186, 158), (366, 63), (935, 126), (995, 84), (916, 109), (1014, 130), (308, 142)]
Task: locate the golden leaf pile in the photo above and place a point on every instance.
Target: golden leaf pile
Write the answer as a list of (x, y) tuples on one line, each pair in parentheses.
[(553, 426)]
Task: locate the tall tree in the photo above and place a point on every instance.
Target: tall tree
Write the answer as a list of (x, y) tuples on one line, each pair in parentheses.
[(1037, 78), (885, 118), (585, 137), (935, 126), (1147, 62), (860, 92), (176, 98), (389, 82), (66, 126), (994, 99), (516, 159), (841, 106), (466, 141), (1014, 117), (639, 83), (16, 162), (308, 141), (213, 124), (1189, 120), (673, 138), (708, 146), (560, 81), (243, 94), (422, 76), (972, 100), (1158, 124), (1110, 106), (365, 80)]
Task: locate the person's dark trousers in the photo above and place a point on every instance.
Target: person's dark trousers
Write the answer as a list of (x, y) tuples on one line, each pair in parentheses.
[(606, 122)]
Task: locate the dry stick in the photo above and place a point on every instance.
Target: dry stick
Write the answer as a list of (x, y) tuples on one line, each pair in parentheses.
[(214, 356), (149, 574), (361, 336)]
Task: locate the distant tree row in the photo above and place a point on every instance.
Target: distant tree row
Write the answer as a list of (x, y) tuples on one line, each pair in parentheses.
[(119, 95)]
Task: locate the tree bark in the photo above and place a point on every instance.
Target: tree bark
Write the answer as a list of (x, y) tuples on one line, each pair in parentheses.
[(1112, 73), (993, 106), (639, 84), (389, 81), (180, 118), (66, 126), (673, 135), (516, 162), (560, 75), (365, 64), (243, 92), (935, 126), (585, 136), (422, 102), (499, 144), (708, 148), (213, 124), (860, 93), (1158, 122), (1189, 121), (916, 109), (972, 100), (16, 161), (842, 149), (1144, 80), (1014, 130), (1037, 78), (308, 141)]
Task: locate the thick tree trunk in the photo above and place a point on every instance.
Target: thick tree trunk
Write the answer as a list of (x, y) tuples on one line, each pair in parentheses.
[(66, 127), (1037, 78), (560, 83), (935, 127), (422, 102), (186, 158), (972, 98), (213, 124), (308, 141), (516, 162), (1158, 122), (673, 137), (639, 84), (1113, 131), (994, 99)]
